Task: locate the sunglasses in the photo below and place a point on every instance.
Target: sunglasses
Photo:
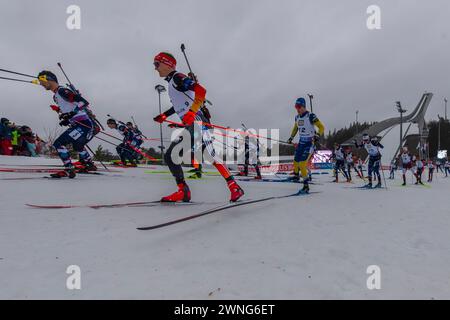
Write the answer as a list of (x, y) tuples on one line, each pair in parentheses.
[(156, 64)]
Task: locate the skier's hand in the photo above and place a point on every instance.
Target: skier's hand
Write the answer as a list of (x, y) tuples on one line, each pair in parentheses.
[(160, 118), (174, 125), (189, 118), (192, 76), (64, 123), (290, 140), (55, 108), (67, 115)]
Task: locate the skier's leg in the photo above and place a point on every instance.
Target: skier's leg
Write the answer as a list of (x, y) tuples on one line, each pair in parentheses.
[(235, 190), (305, 153), (60, 145), (175, 168), (173, 160), (370, 172)]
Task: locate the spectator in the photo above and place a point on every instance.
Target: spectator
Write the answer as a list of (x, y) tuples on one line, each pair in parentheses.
[(27, 142), (5, 137), (18, 140)]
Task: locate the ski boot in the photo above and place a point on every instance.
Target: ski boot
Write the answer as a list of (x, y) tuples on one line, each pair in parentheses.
[(258, 178), (182, 195), (68, 172), (196, 174), (368, 186), (378, 185), (236, 190), (304, 190), (131, 164), (90, 166), (85, 166)]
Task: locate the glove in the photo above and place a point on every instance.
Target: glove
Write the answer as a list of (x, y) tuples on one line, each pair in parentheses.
[(174, 125), (192, 76), (67, 116), (55, 108), (64, 123), (161, 118), (189, 118), (290, 140)]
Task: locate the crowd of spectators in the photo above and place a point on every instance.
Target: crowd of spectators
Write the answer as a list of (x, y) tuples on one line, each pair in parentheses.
[(19, 140)]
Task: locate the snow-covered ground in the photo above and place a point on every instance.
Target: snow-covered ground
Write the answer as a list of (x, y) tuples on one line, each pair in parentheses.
[(314, 247)]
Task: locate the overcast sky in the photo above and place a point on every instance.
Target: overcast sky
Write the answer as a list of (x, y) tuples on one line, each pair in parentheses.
[(255, 57)]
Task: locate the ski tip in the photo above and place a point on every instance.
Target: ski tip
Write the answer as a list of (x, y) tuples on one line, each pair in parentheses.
[(36, 206)]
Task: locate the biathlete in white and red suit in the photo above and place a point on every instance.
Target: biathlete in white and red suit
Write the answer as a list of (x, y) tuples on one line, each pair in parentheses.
[(406, 161), (187, 97)]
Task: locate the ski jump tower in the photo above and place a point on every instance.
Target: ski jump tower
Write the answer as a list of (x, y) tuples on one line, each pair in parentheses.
[(389, 131)]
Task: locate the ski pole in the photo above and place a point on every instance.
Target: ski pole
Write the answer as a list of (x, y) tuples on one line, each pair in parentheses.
[(19, 80), (226, 129), (382, 171), (18, 73), (93, 154)]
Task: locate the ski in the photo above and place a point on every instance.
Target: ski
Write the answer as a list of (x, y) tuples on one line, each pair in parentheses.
[(30, 170), (44, 170), (365, 188), (221, 208), (112, 205), (43, 177), (185, 172), (273, 180)]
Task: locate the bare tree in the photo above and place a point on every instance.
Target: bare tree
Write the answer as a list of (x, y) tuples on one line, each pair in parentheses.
[(50, 135)]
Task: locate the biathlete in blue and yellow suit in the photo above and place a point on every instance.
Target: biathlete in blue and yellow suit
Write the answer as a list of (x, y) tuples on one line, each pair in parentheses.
[(305, 125)]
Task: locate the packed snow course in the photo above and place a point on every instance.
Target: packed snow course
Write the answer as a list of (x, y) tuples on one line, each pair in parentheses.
[(317, 246)]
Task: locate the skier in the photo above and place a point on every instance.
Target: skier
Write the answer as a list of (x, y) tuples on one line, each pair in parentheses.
[(305, 125), (124, 150), (350, 163), (251, 155), (187, 97), (430, 166), (137, 139), (447, 167), (419, 167), (439, 164), (339, 156), (359, 167), (73, 112), (393, 168), (372, 146), (406, 161)]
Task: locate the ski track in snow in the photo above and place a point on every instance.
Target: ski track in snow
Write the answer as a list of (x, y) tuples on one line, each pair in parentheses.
[(315, 247)]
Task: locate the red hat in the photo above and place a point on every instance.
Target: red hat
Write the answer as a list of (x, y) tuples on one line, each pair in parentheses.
[(166, 58)]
